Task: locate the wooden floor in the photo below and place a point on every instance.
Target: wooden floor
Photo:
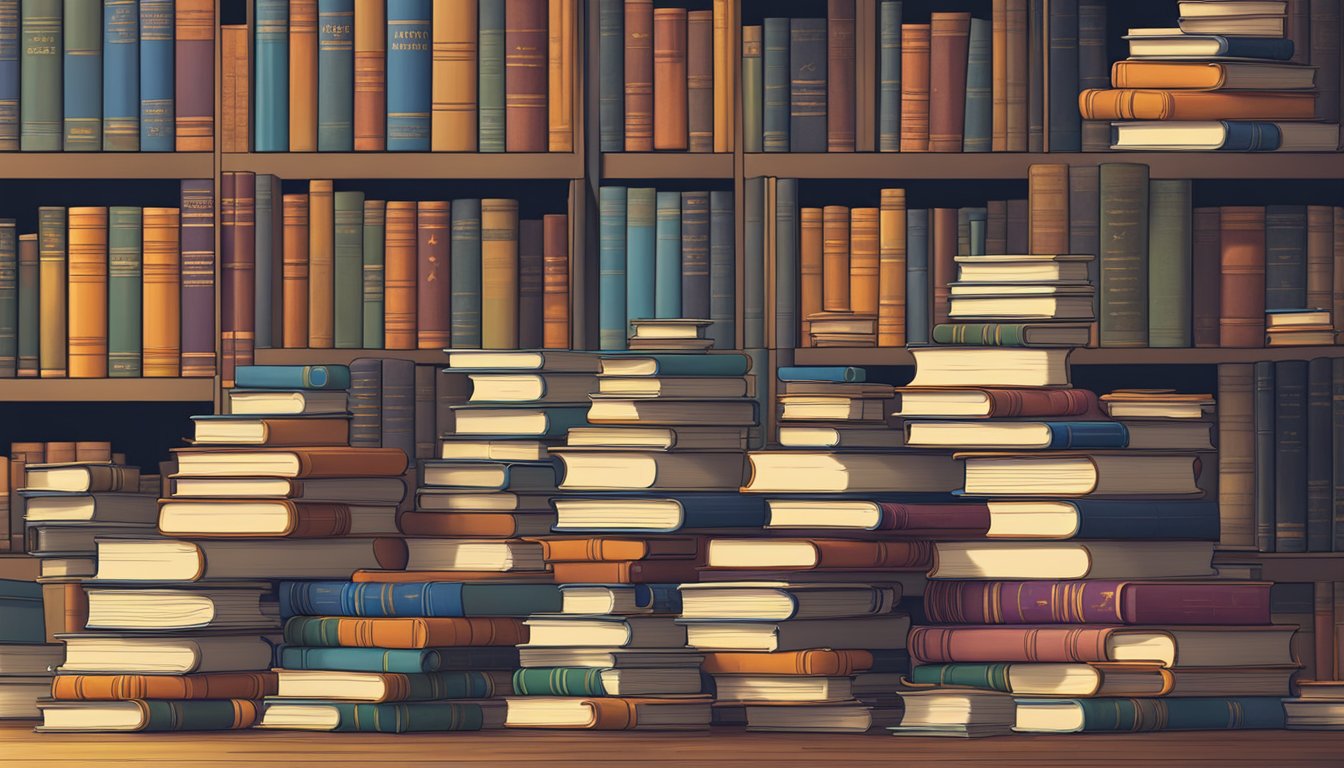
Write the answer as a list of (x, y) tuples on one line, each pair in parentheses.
[(19, 746)]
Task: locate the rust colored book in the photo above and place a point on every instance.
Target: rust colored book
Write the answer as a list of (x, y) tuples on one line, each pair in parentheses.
[(234, 87), (370, 106), (452, 126), (560, 71), (404, 632), (1143, 104), (484, 525), (433, 318), (999, 78), (700, 81), (1048, 199), (321, 262), (669, 78), (626, 572), (415, 577), (60, 452), (555, 281), (309, 463), (162, 300), (822, 662), (609, 549), (1242, 235), (525, 76), (725, 63), (1210, 75), (820, 554), (891, 221), (499, 273), (194, 52), (811, 260), (609, 714), (88, 293), (1194, 647), (943, 260), (835, 258), (238, 279), (278, 518), (294, 278), (52, 279), (303, 76), (1320, 255), (863, 260), (950, 39), (967, 402), (530, 266), (270, 432), (1206, 258), (399, 268), (216, 685), (1015, 16), (639, 75), (840, 76), (915, 87), (65, 609)]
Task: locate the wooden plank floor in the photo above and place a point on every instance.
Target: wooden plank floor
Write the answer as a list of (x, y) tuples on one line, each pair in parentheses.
[(19, 746)]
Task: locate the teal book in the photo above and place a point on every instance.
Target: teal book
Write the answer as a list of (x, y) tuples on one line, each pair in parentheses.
[(450, 684), (889, 77), (336, 77), (375, 229), (1286, 257), (9, 75), (29, 306), (41, 47), (9, 299), (266, 247), (490, 76), (1336, 452), (158, 113), (674, 364), (695, 255), (121, 76), (411, 717), (1066, 124), (348, 303), (667, 256), (1115, 715), (466, 273), (786, 263), (753, 95), (610, 75), (82, 72), (21, 605), (408, 75), (558, 681), (722, 270), (1170, 254), (640, 219), (406, 661), (917, 286), (753, 267), (807, 85), (611, 205), (125, 273), (992, 677), (292, 377), (270, 81), (977, 126), (775, 76)]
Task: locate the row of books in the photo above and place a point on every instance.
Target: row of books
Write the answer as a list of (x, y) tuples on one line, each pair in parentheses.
[(107, 75), (22, 454), (119, 291), (416, 76)]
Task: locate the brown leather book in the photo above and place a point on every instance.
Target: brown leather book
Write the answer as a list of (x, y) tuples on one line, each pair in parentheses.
[(499, 273), (891, 268), (639, 75), (996, 226), (626, 572), (65, 609), (863, 260), (915, 87), (412, 633), (726, 61), (279, 432), (700, 81), (1206, 272), (835, 258), (484, 525), (88, 292), (238, 278), (950, 39), (561, 50), (822, 662), (943, 261), (399, 269), (315, 462), (1242, 242), (555, 281), (194, 79), (1337, 294), (1016, 232), (1320, 256), (415, 577), (305, 520), (810, 260), (28, 452), (525, 128), (370, 110), (669, 78), (61, 451), (234, 84), (530, 279), (294, 275), (452, 126), (93, 450), (321, 263), (303, 76), (609, 549), (216, 685), (1048, 199), (1017, 54), (1142, 104), (433, 318), (999, 79), (840, 554), (840, 76), (162, 300)]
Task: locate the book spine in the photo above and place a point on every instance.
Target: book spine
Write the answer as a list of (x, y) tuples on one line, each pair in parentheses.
[(942, 260), (1010, 403), (835, 258), (1205, 272), (194, 92), (525, 76), (840, 72), (978, 128), (807, 85), (694, 255), (241, 306), (992, 677), (40, 94), (558, 681), (1036, 52), (1016, 75), (425, 716), (555, 279), (949, 41), (1336, 452), (52, 279), (294, 278), (1323, 598), (348, 268), (1125, 520), (271, 52), (465, 325), (1124, 264), (811, 269), (561, 20), (453, 125), (700, 81), (198, 276), (294, 377), (371, 273), (82, 70), (611, 75), (1097, 601), (667, 255), (889, 77), (917, 291), (1017, 216), (638, 75), (321, 264), (499, 274), (399, 294), (230, 272), (1290, 455), (1325, 56), (225, 715), (786, 263), (981, 334), (725, 88), (612, 204), (369, 103), (490, 77), (1242, 237), (863, 260), (669, 79), (1064, 73), (530, 278), (934, 645), (335, 75), (1236, 457), (1285, 257), (722, 270), (1083, 435), (162, 293), (408, 75), (1297, 31), (915, 83), (268, 249), (1264, 455), (404, 661), (1048, 199), (775, 85), (1320, 459), (366, 403), (433, 321), (9, 300), (753, 267), (1170, 261), (1084, 227), (29, 306), (1320, 256), (640, 253), (1094, 69), (235, 88), (9, 75), (121, 76), (397, 406), (1136, 715), (303, 85)]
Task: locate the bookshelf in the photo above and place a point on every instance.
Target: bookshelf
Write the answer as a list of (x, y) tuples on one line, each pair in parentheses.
[(147, 390), (407, 165), (107, 165)]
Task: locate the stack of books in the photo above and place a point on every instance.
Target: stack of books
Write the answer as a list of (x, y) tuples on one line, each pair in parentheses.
[(26, 657), (1228, 78), (1317, 706)]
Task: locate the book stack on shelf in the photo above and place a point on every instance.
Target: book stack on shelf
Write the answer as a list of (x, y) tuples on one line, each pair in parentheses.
[(1317, 706), (27, 656), (110, 77), (1229, 78)]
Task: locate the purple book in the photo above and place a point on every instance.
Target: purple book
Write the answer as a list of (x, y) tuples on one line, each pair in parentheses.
[(1096, 602), (198, 277)]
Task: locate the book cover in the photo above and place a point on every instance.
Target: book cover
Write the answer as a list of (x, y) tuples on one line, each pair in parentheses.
[(1097, 602), (335, 75), (1170, 257), (267, 246), (9, 299), (453, 125), (1264, 410), (695, 247), (525, 127), (611, 75), (1016, 65), (641, 253), (725, 87), (372, 273), (1124, 265), (465, 274), (197, 224), (1048, 197), (426, 599), (87, 292), (807, 85), (977, 133), (1094, 69), (408, 717), (321, 263), (1319, 456), (700, 81), (942, 259), (82, 70), (433, 322), (294, 277), (51, 234), (917, 289), (949, 35), (1285, 257), (369, 102), (194, 79), (1324, 55), (811, 260), (1236, 457), (1065, 71), (408, 76), (1036, 60), (836, 257)]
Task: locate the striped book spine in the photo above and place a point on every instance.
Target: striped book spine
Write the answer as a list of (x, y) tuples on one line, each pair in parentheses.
[(917, 289), (194, 78), (889, 77), (775, 90), (303, 76), (124, 275), (555, 281), (466, 273), (786, 263), (370, 84), (375, 229), (722, 270), (753, 99), (408, 75), (271, 82), (9, 299), (82, 71), (335, 75), (52, 282), (753, 267), (238, 273), (695, 255), (611, 75), (198, 276), (640, 253), (294, 271), (561, 49), (433, 324), (453, 122), (29, 305), (530, 267), (9, 75), (348, 280), (121, 76), (638, 75), (161, 307), (268, 252), (399, 276), (499, 273), (611, 206), (525, 128), (891, 262), (490, 76), (321, 264), (40, 105), (157, 107), (667, 255)]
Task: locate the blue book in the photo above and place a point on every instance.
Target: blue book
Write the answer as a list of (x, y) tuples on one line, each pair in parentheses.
[(422, 599), (977, 126), (9, 75), (692, 511), (640, 220), (667, 256), (807, 85), (121, 76), (335, 75), (490, 56), (1250, 136), (889, 77), (722, 270), (611, 75), (611, 268), (1086, 435), (158, 115), (775, 76), (408, 661), (674, 364), (408, 75), (270, 115), (82, 70), (753, 267), (786, 263), (21, 605), (292, 377), (1147, 519), (917, 276), (513, 476), (465, 266), (847, 374)]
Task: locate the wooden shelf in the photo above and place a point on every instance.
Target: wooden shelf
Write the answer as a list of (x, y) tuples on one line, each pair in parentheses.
[(107, 165), (200, 390), (1288, 566), (897, 166), (408, 165), (1107, 356), (666, 165), (344, 356)]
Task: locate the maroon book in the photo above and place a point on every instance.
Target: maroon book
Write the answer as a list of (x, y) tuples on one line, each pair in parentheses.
[(194, 93), (956, 520), (530, 279), (525, 75), (1096, 602), (198, 277), (840, 76), (433, 315), (238, 277)]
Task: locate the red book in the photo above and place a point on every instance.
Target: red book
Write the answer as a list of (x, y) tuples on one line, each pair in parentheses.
[(238, 218), (944, 266), (433, 316), (525, 76), (1015, 403), (555, 281), (669, 79), (840, 76), (1242, 237), (952, 520), (950, 39), (1097, 601)]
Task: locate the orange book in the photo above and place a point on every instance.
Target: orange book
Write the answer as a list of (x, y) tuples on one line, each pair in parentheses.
[(87, 301), (282, 432), (321, 264), (725, 67), (61, 451), (452, 126), (484, 525), (371, 76), (810, 259), (415, 577), (835, 256), (914, 87), (626, 572), (1048, 200), (863, 260), (399, 269), (65, 608), (1176, 75), (821, 663), (499, 273), (30, 453), (234, 102), (669, 79), (555, 281), (318, 461), (218, 685), (294, 279), (607, 549), (891, 269), (303, 76), (1136, 104), (408, 632), (162, 296), (560, 70), (1017, 76)]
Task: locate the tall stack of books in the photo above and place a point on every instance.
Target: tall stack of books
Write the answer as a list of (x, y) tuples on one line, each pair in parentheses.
[(26, 658)]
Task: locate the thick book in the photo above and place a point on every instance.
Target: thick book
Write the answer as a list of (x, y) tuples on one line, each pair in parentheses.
[(362, 717), (611, 77), (86, 292), (233, 518), (638, 74), (683, 512), (1130, 715), (369, 102), (193, 81), (378, 687), (1291, 459), (271, 81), (1071, 560), (1169, 263), (292, 377), (525, 76), (1123, 291), (453, 124), (409, 62), (561, 53), (40, 98), (807, 85), (884, 632), (1199, 647), (156, 99), (817, 554), (824, 471), (321, 264), (915, 84), (433, 599), (403, 660), (1098, 474), (347, 270), (608, 714), (1097, 602), (146, 716), (1148, 104), (214, 685), (948, 46), (782, 601), (1243, 237), (403, 633), (775, 85), (499, 274), (314, 462), (889, 76), (585, 681), (670, 127), (121, 77), (130, 559)]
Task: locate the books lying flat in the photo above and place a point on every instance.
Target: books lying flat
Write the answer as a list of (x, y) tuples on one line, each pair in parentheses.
[(355, 717), (820, 661), (824, 472), (669, 328), (174, 560), (520, 420), (1188, 647), (597, 548), (1319, 705), (473, 555), (1020, 307), (990, 367), (608, 658), (820, 408), (1097, 602), (234, 430), (165, 654), (707, 387), (1011, 334), (522, 360), (1268, 25), (982, 402), (1156, 404), (488, 476), (530, 388), (1061, 435), (1212, 75), (603, 469), (403, 632), (45, 539), (475, 525), (139, 715), (172, 609), (655, 514), (375, 491), (216, 685), (843, 374), (877, 632), (1136, 715), (319, 462), (960, 712), (81, 478), (51, 507), (343, 598), (1152, 104), (1022, 268), (1071, 560), (284, 402), (675, 365), (626, 572), (499, 501), (292, 376), (779, 601), (1076, 474), (848, 437), (1106, 679), (608, 714), (806, 554), (29, 659), (619, 599), (410, 577), (837, 717), (1172, 42), (671, 412), (660, 438), (486, 449), (206, 518), (377, 687), (19, 696), (580, 681), (405, 660), (739, 689), (605, 632)]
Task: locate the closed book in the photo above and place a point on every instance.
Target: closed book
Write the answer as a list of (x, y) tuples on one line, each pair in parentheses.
[(1097, 602), (917, 288), (1290, 455), (775, 74), (29, 311), (583, 681), (606, 549), (1065, 53), (9, 299), (321, 264), (641, 253), (404, 660), (162, 293), (819, 662), (379, 687), (1144, 104), (942, 260), (1324, 55), (611, 78), (437, 599), (124, 299), (1170, 258), (369, 102), (499, 274), (453, 125), (121, 76), (638, 72), (325, 715), (148, 716), (213, 685), (807, 85), (465, 274), (530, 279), (608, 714), (1320, 256), (863, 261), (811, 269), (483, 525), (1211, 75), (1124, 264), (293, 377), (9, 75), (1236, 457), (490, 76), (666, 256), (314, 462), (409, 43), (722, 270), (612, 262), (1094, 67), (1183, 648), (87, 292), (786, 257), (670, 127), (51, 238), (525, 76), (891, 278), (1263, 410), (404, 632), (1337, 452), (1319, 457), (700, 81), (644, 470), (818, 554), (1036, 54), (374, 227), (1285, 257), (695, 245), (194, 77), (754, 270), (841, 44), (977, 133), (753, 85), (271, 89), (663, 514), (948, 46), (399, 273), (171, 560), (1206, 259), (1017, 48), (1048, 198), (1084, 227), (561, 21), (294, 279), (82, 70), (889, 76), (40, 93), (335, 75), (433, 323), (239, 277), (1055, 435), (882, 633), (1107, 715), (836, 258), (915, 87), (725, 87), (1243, 239), (808, 471), (198, 275)]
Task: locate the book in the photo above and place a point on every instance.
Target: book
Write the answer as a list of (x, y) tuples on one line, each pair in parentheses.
[(473, 555), (949, 40), (87, 292), (819, 554), (204, 652), (1128, 715), (369, 101), (1216, 647), (335, 76), (364, 717), (1291, 408), (403, 660), (722, 269), (1319, 459), (525, 76), (120, 77), (823, 471), (611, 77), (1097, 602), (870, 632), (579, 681), (1124, 231), (560, 93), (638, 73), (607, 714), (807, 85), (82, 70), (81, 478), (781, 601), (963, 712), (409, 64), (197, 221), (1053, 435), (378, 687), (915, 87), (441, 599), (657, 514), (840, 70), (140, 715), (57, 506), (648, 470), (670, 127), (616, 549), (555, 281), (1011, 334), (990, 367), (1115, 473), (453, 123), (889, 76), (605, 632), (217, 685), (229, 609), (194, 75), (224, 518), (1046, 679), (407, 633), (40, 92), (775, 85), (619, 599), (499, 274), (1148, 104), (125, 559), (1285, 257), (490, 85)]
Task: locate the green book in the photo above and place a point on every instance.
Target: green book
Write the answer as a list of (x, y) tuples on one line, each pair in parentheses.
[(391, 718), (82, 72), (9, 299), (29, 305), (977, 126), (993, 677), (1011, 334), (558, 681), (1124, 258), (786, 263), (490, 76), (753, 98), (433, 686), (193, 716), (40, 51), (1170, 228), (125, 272), (348, 267), (375, 228), (466, 274)]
